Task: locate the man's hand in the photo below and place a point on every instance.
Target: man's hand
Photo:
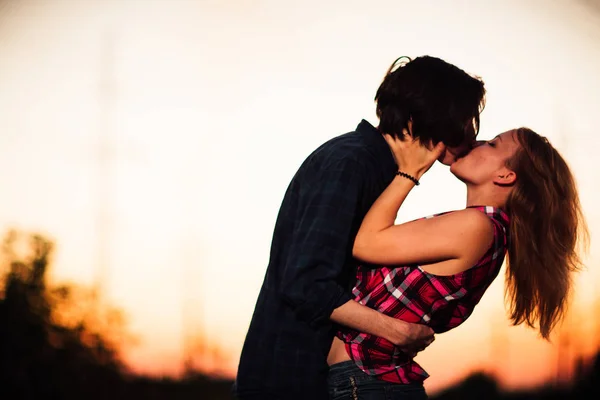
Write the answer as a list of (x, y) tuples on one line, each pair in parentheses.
[(410, 338)]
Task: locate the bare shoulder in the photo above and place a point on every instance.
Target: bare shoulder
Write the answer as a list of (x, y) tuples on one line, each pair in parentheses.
[(470, 224), (474, 218), (467, 234)]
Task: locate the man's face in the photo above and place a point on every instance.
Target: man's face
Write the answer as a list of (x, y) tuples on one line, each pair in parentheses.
[(452, 153)]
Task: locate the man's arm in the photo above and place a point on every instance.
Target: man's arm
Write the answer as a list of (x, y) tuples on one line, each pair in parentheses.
[(411, 338), (321, 245), (327, 211)]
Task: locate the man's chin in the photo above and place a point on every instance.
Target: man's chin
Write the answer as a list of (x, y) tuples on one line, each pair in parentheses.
[(453, 167), (447, 158)]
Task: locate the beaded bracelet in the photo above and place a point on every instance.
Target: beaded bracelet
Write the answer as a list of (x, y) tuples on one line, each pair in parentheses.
[(407, 176)]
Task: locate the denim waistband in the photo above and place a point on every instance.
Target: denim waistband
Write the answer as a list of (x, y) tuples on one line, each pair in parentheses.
[(342, 372)]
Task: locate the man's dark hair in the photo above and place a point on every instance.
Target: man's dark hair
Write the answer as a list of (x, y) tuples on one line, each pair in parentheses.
[(442, 100)]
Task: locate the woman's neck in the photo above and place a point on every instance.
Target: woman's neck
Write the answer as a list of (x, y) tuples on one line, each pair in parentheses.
[(494, 196)]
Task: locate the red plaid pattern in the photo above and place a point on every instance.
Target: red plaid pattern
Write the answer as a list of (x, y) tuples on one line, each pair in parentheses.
[(413, 295)]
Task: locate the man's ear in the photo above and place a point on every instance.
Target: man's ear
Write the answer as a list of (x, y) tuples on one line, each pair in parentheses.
[(505, 177), (407, 132)]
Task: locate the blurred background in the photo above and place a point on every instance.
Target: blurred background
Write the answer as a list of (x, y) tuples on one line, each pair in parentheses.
[(145, 147)]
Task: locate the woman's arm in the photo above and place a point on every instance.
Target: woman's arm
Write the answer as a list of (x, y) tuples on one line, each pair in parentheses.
[(461, 237)]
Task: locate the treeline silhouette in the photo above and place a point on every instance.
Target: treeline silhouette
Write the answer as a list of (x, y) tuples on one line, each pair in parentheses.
[(481, 386), (58, 342)]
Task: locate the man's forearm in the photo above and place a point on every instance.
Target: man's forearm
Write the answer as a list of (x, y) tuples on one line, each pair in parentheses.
[(366, 320)]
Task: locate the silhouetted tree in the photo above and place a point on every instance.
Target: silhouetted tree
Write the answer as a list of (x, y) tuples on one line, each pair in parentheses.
[(58, 342), (43, 354), (480, 386)]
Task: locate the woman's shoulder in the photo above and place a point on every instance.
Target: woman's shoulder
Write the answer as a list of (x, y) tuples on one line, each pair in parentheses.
[(476, 214), (471, 217), (497, 216), (472, 223)]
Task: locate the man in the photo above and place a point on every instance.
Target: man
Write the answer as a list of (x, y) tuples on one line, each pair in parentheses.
[(311, 269)]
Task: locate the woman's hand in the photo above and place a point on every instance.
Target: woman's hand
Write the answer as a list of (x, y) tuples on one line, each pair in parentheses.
[(412, 156)]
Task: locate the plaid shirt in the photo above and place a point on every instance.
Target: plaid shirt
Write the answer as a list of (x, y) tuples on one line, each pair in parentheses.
[(413, 295), (311, 270)]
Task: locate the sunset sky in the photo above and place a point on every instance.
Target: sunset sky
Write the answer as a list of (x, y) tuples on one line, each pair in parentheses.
[(210, 106)]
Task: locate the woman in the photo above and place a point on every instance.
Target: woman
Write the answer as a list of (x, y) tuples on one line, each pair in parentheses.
[(521, 200)]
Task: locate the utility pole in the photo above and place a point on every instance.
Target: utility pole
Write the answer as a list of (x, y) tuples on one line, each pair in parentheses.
[(105, 167)]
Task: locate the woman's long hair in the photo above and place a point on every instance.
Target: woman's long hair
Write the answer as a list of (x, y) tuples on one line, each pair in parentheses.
[(547, 228)]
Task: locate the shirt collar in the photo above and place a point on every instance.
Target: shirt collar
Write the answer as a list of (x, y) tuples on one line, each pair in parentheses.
[(375, 139)]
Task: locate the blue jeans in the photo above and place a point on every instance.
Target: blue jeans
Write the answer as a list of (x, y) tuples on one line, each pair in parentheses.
[(348, 382)]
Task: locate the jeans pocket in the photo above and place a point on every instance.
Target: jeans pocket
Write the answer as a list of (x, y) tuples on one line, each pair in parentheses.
[(345, 391), (340, 393)]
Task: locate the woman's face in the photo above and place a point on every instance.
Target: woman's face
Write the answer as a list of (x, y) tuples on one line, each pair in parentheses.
[(486, 163)]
